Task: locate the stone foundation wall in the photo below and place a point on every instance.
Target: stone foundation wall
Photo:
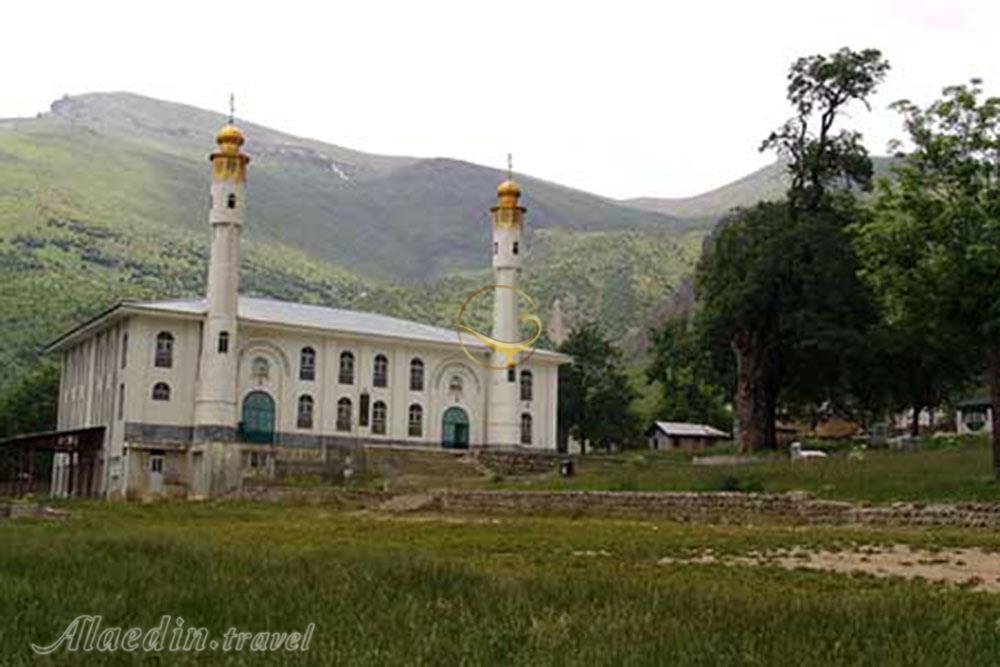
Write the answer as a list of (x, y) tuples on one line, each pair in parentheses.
[(513, 462), (721, 507)]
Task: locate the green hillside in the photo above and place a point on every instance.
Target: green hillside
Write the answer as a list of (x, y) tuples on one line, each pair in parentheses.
[(106, 198)]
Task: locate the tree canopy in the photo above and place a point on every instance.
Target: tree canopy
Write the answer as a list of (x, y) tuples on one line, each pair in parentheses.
[(595, 395), (777, 283), (932, 249)]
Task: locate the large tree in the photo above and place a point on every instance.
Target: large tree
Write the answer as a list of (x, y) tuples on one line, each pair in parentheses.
[(932, 250), (594, 392), (30, 405), (777, 282), (822, 160)]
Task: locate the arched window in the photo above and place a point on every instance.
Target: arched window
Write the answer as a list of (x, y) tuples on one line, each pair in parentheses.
[(344, 414), (526, 388), (231, 201), (161, 391), (515, 247), (164, 350), (307, 364), (525, 428), (416, 375), (378, 418), (305, 419), (346, 368), (416, 421), (223, 342), (511, 374), (380, 371)]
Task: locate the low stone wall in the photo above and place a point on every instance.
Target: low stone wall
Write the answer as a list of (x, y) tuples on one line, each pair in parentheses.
[(716, 507), (513, 462), (342, 498), (721, 507)]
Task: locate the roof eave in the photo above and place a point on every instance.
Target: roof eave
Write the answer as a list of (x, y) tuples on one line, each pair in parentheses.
[(122, 308)]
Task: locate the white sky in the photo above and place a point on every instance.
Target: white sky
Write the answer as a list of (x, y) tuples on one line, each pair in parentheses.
[(622, 98)]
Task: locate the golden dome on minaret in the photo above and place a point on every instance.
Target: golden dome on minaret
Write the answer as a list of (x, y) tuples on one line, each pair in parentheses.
[(508, 189), (229, 135), (508, 193)]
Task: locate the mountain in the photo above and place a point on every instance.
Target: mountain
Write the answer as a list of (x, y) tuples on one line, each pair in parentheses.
[(769, 182), (379, 216), (766, 183), (105, 197)]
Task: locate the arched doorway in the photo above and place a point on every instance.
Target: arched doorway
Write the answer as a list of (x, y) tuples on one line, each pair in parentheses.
[(455, 429), (257, 424)]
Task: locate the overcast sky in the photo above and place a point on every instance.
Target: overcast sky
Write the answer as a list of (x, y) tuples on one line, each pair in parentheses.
[(620, 98)]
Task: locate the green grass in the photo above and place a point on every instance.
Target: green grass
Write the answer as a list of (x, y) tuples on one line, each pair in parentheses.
[(436, 590), (961, 471)]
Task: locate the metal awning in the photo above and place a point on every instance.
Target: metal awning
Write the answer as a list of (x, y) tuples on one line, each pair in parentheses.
[(72, 440)]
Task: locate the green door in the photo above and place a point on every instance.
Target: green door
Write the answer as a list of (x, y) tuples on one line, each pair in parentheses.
[(258, 418), (455, 429)]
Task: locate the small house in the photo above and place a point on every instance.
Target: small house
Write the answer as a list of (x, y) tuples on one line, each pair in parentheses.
[(682, 435)]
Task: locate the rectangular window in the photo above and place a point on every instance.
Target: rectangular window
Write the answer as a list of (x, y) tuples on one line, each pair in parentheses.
[(223, 342), (363, 410), (511, 374), (121, 401), (124, 350)]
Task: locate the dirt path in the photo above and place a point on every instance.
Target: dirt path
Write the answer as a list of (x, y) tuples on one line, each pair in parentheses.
[(968, 568)]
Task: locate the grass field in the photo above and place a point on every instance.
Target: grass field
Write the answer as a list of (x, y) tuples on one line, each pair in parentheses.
[(387, 590), (953, 470)]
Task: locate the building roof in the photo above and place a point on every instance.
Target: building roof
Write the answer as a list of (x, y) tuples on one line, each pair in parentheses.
[(686, 430), (253, 310), (975, 402)]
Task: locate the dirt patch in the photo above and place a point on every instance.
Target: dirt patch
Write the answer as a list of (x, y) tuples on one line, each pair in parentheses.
[(973, 569), (408, 503)]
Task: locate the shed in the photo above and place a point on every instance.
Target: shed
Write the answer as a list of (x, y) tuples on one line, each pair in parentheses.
[(683, 435), (974, 415)]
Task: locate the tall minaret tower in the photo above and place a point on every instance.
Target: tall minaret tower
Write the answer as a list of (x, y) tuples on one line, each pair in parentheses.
[(503, 424), (215, 412)]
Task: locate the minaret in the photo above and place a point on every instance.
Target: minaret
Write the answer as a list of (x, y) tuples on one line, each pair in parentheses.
[(215, 412), (503, 424)]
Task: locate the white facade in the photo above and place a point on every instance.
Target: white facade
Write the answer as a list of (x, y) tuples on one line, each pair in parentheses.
[(189, 389)]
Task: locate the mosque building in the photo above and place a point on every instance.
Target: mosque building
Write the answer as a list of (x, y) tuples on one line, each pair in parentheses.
[(192, 393)]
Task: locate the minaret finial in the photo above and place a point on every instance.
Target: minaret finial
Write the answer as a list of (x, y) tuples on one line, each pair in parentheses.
[(232, 107), (510, 167)]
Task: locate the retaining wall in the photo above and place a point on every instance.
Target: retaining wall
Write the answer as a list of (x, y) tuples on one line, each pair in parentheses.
[(717, 507)]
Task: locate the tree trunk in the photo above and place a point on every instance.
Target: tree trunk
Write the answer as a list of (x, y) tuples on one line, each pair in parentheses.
[(915, 421), (993, 380), (754, 402)]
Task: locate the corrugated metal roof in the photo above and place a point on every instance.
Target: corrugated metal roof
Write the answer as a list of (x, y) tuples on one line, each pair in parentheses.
[(684, 429)]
